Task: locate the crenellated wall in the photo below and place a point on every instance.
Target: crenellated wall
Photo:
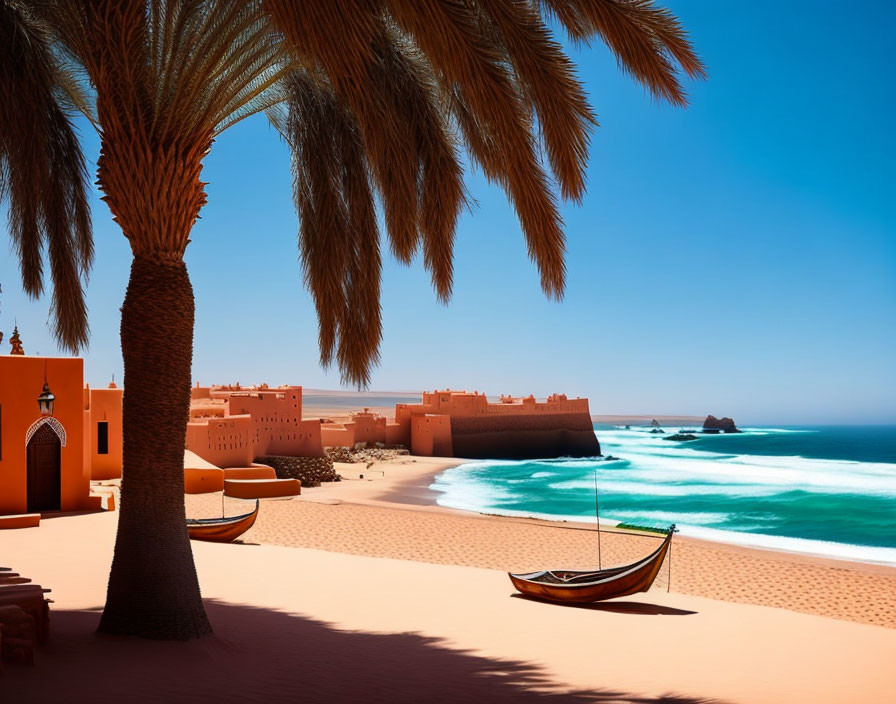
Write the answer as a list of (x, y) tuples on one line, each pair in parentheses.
[(514, 428)]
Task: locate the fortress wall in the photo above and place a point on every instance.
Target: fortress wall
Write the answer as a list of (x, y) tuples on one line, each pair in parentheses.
[(301, 438), (526, 444), (369, 428), (398, 434), (524, 437), (576, 405), (568, 421), (225, 442), (336, 435), (431, 436)]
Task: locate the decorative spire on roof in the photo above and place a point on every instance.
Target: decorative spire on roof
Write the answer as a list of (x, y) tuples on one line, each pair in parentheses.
[(16, 342), (112, 383)]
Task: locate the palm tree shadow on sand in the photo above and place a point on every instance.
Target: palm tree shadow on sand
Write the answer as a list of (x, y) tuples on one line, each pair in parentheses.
[(617, 607), (261, 654)]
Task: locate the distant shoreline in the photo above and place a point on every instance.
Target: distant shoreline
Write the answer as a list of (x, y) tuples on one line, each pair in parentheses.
[(646, 419), (317, 407)]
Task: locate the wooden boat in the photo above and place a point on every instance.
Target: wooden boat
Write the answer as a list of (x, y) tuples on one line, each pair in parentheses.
[(221, 530), (578, 587)]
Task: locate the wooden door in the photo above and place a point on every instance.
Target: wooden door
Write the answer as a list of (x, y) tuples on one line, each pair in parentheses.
[(44, 471)]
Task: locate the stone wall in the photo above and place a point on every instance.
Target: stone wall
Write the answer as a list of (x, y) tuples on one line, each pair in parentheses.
[(311, 471), (524, 437)]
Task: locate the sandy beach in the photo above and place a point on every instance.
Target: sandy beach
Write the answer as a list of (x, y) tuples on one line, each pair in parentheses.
[(362, 590)]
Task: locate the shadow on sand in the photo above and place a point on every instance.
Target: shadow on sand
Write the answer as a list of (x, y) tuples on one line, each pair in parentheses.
[(616, 607), (270, 656)]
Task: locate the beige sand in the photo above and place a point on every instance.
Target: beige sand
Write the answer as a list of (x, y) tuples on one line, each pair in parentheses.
[(306, 625), (385, 515), (349, 622)]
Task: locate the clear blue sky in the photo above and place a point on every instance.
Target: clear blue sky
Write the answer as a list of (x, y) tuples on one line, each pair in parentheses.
[(737, 258)]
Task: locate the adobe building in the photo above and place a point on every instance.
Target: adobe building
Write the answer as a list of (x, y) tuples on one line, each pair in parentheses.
[(464, 424), (102, 419), (55, 434), (364, 427), (230, 426)]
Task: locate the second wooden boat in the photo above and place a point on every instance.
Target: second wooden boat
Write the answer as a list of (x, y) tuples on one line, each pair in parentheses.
[(221, 530), (578, 587)]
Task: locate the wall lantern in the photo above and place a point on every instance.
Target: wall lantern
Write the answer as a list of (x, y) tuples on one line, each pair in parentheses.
[(46, 401)]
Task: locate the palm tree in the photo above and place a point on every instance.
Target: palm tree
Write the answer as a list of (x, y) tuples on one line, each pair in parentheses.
[(376, 100)]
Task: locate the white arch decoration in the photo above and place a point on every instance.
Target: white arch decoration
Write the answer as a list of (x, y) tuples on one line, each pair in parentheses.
[(54, 424)]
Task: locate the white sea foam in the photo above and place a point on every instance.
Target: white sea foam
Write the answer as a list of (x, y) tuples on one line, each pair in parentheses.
[(647, 488), (819, 548), (664, 472), (665, 463), (667, 517)]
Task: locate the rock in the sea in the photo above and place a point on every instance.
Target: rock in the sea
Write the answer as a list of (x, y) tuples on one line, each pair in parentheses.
[(681, 437), (657, 430), (716, 425)]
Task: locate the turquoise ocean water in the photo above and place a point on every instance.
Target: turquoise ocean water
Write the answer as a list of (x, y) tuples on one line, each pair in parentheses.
[(819, 490)]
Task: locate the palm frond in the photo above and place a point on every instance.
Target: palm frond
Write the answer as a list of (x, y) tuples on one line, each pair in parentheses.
[(472, 68), (378, 99), (42, 172), (338, 234), (354, 68), (647, 40), (549, 84)]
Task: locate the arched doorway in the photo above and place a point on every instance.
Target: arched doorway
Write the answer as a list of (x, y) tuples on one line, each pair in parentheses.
[(44, 470)]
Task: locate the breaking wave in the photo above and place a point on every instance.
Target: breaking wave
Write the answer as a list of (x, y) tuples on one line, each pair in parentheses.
[(726, 488)]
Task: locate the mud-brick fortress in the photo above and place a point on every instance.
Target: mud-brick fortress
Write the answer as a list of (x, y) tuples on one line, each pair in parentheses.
[(57, 434), (231, 426), (462, 424)]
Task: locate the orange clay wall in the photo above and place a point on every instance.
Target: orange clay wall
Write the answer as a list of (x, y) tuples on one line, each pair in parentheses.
[(277, 417), (462, 403), (431, 436), (369, 428), (299, 438), (366, 427), (103, 406), (224, 442), (337, 435), (522, 428), (398, 434), (21, 380), (524, 437), (346, 434), (230, 427)]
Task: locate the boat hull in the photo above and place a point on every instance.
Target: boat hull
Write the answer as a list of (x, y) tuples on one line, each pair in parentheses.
[(582, 587), (221, 530)]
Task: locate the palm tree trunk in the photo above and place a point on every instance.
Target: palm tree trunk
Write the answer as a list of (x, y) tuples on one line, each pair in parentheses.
[(153, 589)]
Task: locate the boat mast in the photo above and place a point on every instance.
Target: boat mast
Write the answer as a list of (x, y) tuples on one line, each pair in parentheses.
[(597, 518)]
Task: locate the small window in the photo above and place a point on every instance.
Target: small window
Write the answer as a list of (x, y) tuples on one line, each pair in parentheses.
[(102, 438)]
